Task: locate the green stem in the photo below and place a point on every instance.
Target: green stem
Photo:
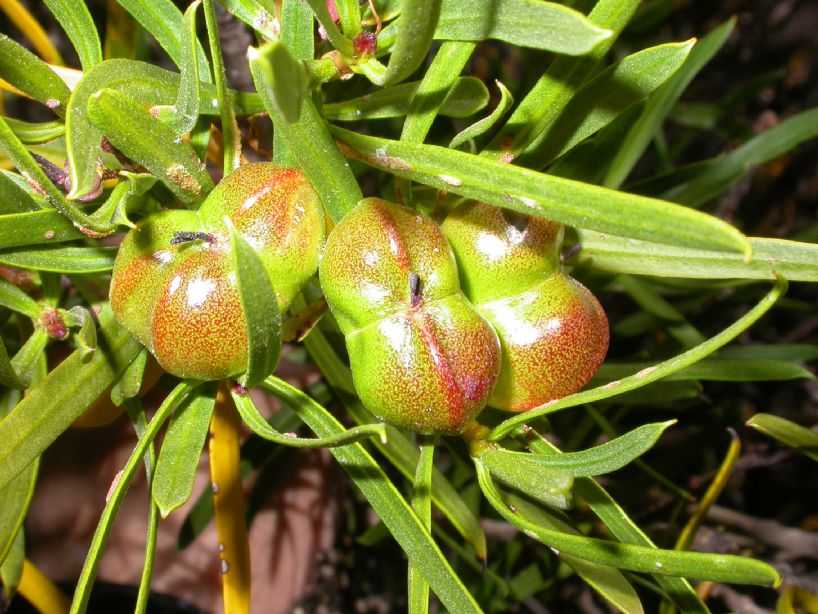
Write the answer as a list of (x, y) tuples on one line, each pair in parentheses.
[(422, 506)]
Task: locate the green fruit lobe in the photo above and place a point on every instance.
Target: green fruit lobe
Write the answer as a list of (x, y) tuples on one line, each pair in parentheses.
[(553, 332), (173, 285), (421, 356)]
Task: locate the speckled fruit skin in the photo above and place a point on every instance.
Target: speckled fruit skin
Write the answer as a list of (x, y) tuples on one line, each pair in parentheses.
[(422, 358), (182, 302), (553, 331)]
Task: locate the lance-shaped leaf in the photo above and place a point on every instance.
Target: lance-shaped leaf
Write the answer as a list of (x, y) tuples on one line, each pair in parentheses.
[(15, 299), (794, 260), (62, 397), (300, 403), (146, 84), (716, 370), (130, 383), (117, 494), (533, 193), (416, 27), (258, 302), (603, 98), (35, 133), (338, 40), (28, 362), (288, 84), (86, 337), (548, 485), (651, 374), (31, 75), (694, 565), (525, 23), (15, 199), (145, 139), (128, 194), (792, 435), (467, 96), (15, 498), (485, 124), (601, 459), (182, 450), (309, 142), (61, 259), (8, 376), (75, 19), (186, 110)]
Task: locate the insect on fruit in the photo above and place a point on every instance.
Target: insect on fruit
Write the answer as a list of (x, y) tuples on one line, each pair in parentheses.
[(421, 357), (173, 285)]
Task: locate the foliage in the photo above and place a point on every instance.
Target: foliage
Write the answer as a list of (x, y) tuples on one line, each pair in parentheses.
[(136, 137)]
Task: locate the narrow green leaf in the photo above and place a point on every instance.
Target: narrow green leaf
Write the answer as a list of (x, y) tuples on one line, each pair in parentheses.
[(186, 108), (301, 404), (792, 435), (661, 102), (61, 259), (36, 227), (165, 23), (437, 86), (310, 142), (396, 514), (625, 530), (130, 382), (297, 26), (28, 361), (607, 581), (75, 19), (607, 252), (28, 167), (15, 199), (546, 100), (11, 569), (338, 40), (485, 124), (117, 494), (349, 14), (62, 397), (15, 299), (8, 376), (182, 449), (15, 498), (418, 588), (694, 565), (288, 84), (780, 351), (148, 85), (651, 374), (416, 27), (261, 312), (254, 14), (534, 193), (717, 370), (599, 460), (599, 101), (29, 74), (525, 23), (549, 485), (231, 136), (722, 173), (86, 337), (466, 96), (143, 138), (35, 133)]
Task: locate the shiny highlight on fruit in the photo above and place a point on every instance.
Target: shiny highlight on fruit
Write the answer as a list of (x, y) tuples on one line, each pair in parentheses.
[(553, 331), (421, 357), (174, 287)]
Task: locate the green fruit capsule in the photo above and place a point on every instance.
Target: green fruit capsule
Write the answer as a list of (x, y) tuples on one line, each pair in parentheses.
[(553, 331), (422, 358), (173, 285)]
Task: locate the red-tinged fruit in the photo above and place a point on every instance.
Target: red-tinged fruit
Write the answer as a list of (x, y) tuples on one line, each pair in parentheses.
[(553, 331), (174, 287), (421, 357)]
